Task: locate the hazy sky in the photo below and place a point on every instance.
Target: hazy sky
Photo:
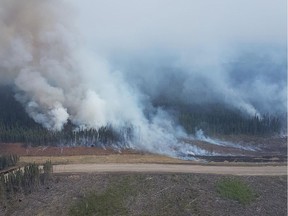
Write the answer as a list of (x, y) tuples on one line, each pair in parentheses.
[(199, 37), (182, 24)]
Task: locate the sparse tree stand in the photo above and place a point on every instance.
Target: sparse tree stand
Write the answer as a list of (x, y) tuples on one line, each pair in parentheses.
[(8, 161), (24, 180)]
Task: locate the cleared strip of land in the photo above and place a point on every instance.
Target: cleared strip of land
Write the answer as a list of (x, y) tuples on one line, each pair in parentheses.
[(111, 158), (171, 168)]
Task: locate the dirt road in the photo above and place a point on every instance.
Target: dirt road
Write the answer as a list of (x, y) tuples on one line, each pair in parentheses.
[(171, 168)]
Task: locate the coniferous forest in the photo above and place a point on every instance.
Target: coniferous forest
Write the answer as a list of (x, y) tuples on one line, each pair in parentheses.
[(217, 120), (214, 119), (17, 126)]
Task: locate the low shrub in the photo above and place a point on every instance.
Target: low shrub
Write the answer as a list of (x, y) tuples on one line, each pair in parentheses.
[(236, 190)]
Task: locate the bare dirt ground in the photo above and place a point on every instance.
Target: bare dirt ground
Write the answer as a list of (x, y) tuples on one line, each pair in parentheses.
[(171, 168)]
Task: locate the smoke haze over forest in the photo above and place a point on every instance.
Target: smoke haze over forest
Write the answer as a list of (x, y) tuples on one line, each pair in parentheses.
[(120, 63)]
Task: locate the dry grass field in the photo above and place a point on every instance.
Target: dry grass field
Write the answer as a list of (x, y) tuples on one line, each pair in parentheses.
[(113, 158)]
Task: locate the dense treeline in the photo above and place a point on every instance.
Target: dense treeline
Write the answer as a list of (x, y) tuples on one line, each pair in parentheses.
[(24, 180), (68, 136), (218, 120), (17, 126), (8, 161)]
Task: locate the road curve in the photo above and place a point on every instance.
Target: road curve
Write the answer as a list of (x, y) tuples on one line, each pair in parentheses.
[(171, 168)]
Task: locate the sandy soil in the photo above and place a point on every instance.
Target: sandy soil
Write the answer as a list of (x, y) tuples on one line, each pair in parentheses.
[(172, 168)]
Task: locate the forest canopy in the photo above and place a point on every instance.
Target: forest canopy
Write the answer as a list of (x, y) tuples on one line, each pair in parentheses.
[(214, 119)]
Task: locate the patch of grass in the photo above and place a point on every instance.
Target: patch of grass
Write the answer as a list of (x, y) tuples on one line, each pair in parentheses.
[(110, 202), (236, 190)]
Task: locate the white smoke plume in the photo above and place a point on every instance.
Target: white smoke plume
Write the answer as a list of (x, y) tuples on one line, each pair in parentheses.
[(103, 65), (55, 79), (35, 58)]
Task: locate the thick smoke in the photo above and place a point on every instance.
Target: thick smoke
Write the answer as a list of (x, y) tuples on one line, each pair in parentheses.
[(54, 78), (58, 80), (255, 83), (35, 58), (200, 52), (96, 65)]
